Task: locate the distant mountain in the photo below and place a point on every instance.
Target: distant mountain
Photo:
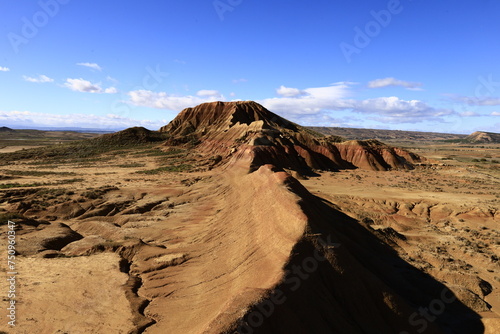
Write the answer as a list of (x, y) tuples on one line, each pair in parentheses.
[(65, 129), (130, 136), (483, 137), (6, 129), (386, 135)]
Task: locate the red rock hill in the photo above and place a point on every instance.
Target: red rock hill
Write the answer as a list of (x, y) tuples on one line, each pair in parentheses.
[(245, 128)]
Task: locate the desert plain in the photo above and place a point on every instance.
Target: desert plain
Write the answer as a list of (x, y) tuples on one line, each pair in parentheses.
[(233, 220)]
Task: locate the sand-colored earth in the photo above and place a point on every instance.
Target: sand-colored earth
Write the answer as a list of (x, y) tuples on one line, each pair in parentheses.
[(9, 149), (69, 295)]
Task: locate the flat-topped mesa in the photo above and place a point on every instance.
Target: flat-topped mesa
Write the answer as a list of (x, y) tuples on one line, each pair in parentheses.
[(246, 130), (220, 116)]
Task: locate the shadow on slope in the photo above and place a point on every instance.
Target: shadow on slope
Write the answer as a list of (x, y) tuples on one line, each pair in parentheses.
[(343, 279)]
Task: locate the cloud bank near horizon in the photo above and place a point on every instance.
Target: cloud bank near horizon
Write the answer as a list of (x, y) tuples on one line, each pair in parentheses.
[(333, 105)]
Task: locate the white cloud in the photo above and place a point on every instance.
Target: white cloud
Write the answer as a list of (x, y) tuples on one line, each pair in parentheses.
[(162, 100), (110, 121), (91, 65), (495, 113), (111, 90), (4, 69), (386, 82), (321, 100), (316, 105), (289, 92), (40, 79), (311, 100), (394, 110), (470, 114), (81, 85), (476, 101)]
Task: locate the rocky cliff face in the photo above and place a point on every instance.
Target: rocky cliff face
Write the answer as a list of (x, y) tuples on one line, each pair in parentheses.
[(228, 127)]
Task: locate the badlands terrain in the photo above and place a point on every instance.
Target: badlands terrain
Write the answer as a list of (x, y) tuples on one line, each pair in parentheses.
[(231, 219)]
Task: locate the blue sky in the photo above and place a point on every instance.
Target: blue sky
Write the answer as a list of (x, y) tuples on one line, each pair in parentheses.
[(409, 64)]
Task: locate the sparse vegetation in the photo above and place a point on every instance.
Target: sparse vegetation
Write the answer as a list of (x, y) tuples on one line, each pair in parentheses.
[(19, 185), (37, 184), (131, 165), (36, 173), (178, 168), (159, 153), (5, 217)]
